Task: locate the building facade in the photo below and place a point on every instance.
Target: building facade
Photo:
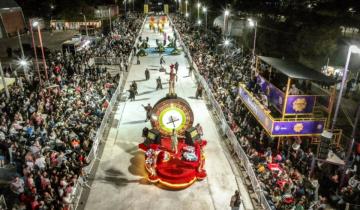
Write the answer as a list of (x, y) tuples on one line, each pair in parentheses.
[(11, 19)]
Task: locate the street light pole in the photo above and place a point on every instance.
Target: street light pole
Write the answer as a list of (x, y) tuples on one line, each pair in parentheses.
[(186, 8), (86, 28), (226, 14), (352, 49), (198, 10), (35, 52), (36, 24), (20, 45), (4, 82), (125, 7), (110, 19), (348, 154), (254, 41), (226, 44), (253, 23), (205, 12), (22, 55)]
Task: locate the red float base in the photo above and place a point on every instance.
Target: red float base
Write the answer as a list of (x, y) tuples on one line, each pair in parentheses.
[(170, 169)]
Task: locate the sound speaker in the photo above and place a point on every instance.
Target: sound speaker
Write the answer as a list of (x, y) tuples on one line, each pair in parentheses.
[(324, 146), (153, 137), (191, 135)]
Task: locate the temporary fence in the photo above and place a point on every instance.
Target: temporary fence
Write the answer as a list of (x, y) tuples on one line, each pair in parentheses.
[(100, 132), (107, 60), (225, 129)]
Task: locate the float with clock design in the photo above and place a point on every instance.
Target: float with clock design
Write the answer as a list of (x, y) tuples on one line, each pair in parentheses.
[(173, 169), (172, 113)]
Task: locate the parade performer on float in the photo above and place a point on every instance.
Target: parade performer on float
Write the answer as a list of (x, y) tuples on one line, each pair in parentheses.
[(174, 142), (172, 81)]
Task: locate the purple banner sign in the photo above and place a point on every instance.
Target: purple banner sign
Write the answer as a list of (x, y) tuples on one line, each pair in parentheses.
[(256, 109), (299, 104), (298, 128), (275, 96)]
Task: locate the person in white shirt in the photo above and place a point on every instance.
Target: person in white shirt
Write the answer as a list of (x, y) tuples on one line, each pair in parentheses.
[(17, 185), (294, 90), (40, 162)]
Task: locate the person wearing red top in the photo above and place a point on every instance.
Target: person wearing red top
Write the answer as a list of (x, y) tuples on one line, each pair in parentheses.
[(105, 104), (75, 143)]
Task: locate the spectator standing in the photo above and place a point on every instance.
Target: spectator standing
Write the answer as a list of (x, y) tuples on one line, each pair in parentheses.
[(199, 91), (199, 129), (148, 110), (17, 185), (158, 83), (294, 90), (132, 93), (126, 65), (137, 59), (176, 67), (235, 201), (134, 86), (162, 61), (190, 71), (147, 74)]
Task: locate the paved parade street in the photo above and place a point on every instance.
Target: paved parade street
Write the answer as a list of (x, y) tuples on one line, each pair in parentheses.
[(179, 105), (120, 181)]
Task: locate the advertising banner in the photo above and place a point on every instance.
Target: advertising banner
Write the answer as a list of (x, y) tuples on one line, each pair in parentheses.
[(275, 96), (299, 104), (166, 9), (298, 127), (256, 109), (146, 8)]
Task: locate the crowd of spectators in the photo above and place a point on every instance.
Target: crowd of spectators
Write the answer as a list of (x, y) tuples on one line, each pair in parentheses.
[(283, 174), (47, 127)]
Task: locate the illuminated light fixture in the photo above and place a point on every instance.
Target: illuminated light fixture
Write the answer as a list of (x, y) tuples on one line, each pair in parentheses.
[(251, 22), (35, 23), (23, 62), (354, 49)]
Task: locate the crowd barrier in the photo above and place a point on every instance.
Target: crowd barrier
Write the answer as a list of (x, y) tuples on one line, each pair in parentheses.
[(100, 132), (225, 129), (107, 60)]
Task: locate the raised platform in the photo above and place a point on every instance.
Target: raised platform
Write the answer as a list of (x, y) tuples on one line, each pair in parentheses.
[(174, 170)]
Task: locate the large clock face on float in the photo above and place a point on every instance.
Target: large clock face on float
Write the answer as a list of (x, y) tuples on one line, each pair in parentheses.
[(169, 114)]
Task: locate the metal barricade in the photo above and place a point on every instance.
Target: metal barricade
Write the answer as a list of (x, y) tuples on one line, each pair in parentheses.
[(226, 129), (93, 152), (107, 60)]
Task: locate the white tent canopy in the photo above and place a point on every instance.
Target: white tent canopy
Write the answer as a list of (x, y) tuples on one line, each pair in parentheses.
[(236, 26), (8, 81)]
